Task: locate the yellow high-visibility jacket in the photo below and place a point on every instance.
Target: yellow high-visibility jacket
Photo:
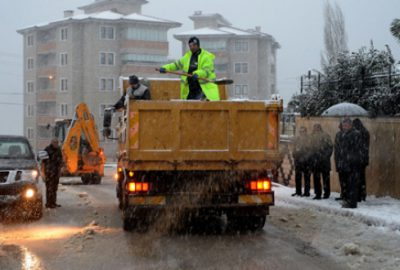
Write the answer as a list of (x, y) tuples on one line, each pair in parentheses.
[(205, 69)]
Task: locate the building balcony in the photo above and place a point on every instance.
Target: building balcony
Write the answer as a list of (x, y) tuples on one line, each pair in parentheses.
[(47, 95), (47, 71), (143, 46), (47, 47), (44, 120)]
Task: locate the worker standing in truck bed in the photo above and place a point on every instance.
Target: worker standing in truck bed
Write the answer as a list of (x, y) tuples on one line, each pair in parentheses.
[(135, 91), (200, 64)]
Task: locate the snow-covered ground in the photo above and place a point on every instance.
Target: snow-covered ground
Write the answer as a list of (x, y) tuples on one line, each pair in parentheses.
[(367, 237), (383, 211)]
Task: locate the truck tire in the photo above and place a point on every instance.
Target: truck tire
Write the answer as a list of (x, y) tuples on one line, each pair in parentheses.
[(86, 179), (96, 179), (128, 224), (246, 223)]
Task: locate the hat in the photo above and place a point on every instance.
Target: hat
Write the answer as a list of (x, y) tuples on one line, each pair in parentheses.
[(133, 79), (194, 40)]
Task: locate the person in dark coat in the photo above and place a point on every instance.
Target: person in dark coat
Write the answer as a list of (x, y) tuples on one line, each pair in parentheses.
[(301, 155), (338, 161), (350, 162), (52, 172), (322, 149), (357, 124), (136, 91)]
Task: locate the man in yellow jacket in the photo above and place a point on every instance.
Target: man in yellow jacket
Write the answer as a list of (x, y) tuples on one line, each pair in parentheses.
[(199, 63)]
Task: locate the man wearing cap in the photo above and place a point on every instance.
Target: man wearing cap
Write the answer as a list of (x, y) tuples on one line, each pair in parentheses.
[(136, 91), (52, 170), (200, 64)]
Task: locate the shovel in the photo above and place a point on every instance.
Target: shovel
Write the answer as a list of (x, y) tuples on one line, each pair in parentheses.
[(216, 81)]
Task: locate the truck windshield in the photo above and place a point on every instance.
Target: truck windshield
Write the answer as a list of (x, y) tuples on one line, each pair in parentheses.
[(15, 149)]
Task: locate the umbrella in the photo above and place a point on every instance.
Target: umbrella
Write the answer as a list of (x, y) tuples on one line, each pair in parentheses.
[(345, 109)]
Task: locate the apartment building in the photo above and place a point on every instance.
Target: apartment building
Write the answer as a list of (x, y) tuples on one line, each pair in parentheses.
[(80, 57), (246, 56)]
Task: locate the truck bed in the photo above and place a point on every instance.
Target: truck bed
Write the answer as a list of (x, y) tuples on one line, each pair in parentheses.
[(193, 135)]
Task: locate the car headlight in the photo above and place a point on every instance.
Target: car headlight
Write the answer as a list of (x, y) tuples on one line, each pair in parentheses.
[(28, 175), (29, 193)]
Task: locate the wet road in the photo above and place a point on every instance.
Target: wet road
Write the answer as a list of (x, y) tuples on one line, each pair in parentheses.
[(86, 233)]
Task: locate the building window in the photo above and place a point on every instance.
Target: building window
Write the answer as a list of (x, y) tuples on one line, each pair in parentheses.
[(30, 110), (63, 110), (29, 40), (30, 63), (241, 90), (273, 90), (63, 59), (107, 32), (241, 46), (30, 87), (64, 34), (273, 68), (150, 58), (146, 33), (106, 59), (30, 133), (221, 67), (107, 84), (216, 46), (241, 68), (63, 85), (103, 107)]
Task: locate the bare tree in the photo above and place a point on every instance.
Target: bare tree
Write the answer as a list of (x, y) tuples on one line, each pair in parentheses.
[(335, 37)]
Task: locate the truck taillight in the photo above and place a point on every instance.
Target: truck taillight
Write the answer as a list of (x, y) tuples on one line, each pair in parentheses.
[(136, 187), (261, 185)]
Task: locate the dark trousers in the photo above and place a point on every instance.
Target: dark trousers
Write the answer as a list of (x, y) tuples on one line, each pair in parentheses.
[(51, 191), (362, 191), (342, 184), (326, 182), (352, 182), (299, 173)]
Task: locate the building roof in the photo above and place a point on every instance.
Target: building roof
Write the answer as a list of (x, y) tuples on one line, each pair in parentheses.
[(216, 16), (226, 31), (105, 15), (105, 2)]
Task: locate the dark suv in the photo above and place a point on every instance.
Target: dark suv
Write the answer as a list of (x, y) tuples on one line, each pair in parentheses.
[(20, 193)]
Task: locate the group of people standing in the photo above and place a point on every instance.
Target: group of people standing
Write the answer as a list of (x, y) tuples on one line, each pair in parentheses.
[(312, 157)]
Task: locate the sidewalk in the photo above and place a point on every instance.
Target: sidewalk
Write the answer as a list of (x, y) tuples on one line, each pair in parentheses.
[(382, 211)]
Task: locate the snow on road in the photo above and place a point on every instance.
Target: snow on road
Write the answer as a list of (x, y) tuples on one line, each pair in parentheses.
[(367, 237)]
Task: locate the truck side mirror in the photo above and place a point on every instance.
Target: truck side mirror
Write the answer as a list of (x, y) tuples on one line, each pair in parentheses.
[(107, 122)]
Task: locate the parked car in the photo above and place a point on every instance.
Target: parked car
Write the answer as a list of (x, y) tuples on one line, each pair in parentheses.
[(20, 194)]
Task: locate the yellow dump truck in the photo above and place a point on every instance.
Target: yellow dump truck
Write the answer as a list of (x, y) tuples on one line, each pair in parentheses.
[(196, 158)]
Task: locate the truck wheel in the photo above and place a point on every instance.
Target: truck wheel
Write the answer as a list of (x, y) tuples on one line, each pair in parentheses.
[(246, 223), (128, 224), (96, 179), (256, 223), (86, 179)]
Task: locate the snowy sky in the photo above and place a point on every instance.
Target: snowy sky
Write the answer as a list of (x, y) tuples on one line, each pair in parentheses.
[(296, 24)]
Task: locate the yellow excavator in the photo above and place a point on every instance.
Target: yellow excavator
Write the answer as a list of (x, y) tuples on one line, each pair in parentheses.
[(81, 150)]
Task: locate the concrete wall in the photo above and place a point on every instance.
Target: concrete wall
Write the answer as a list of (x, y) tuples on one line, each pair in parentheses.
[(383, 172)]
